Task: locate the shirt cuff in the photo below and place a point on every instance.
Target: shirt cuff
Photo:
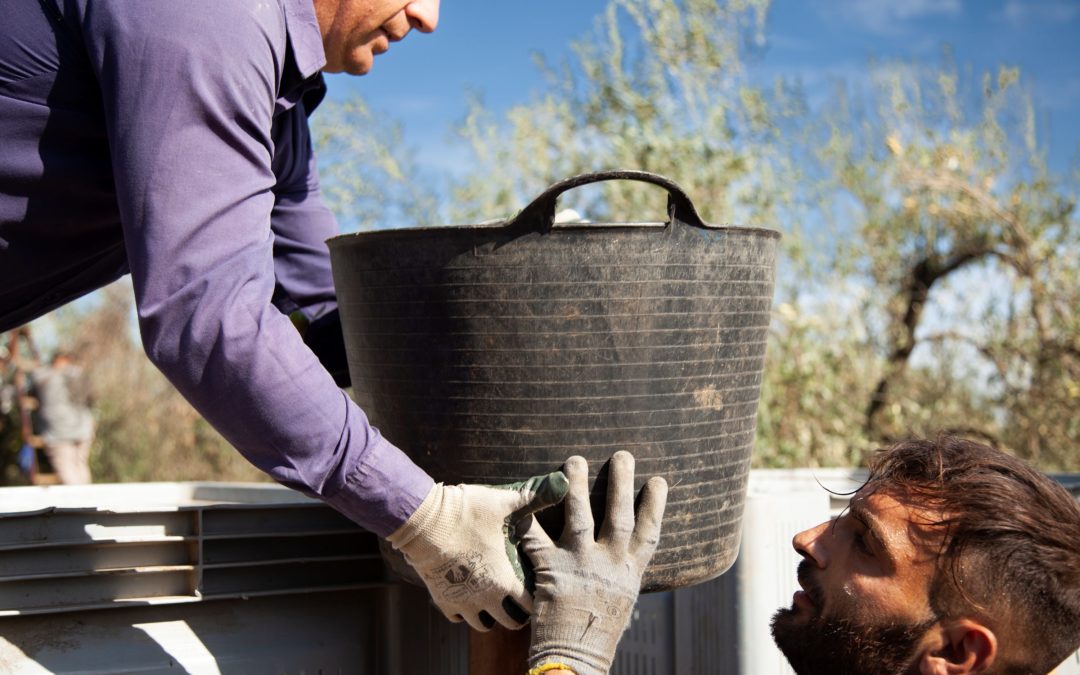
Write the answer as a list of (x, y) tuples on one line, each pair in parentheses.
[(383, 490)]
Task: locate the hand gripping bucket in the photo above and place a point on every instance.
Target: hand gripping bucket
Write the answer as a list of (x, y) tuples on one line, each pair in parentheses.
[(491, 353)]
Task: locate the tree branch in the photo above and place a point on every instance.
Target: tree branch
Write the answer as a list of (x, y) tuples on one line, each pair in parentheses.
[(916, 291), (987, 352)]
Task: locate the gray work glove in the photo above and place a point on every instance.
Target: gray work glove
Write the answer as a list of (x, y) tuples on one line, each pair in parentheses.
[(586, 589), (462, 543)]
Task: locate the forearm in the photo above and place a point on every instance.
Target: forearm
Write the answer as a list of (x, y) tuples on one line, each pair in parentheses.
[(302, 224), (300, 220), (248, 372)]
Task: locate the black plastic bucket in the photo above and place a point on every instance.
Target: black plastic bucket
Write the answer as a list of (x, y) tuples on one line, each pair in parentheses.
[(492, 353)]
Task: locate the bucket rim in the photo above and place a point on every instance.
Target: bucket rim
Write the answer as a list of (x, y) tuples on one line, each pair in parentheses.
[(492, 227)]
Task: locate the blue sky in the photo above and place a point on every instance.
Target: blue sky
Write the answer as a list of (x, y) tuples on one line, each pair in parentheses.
[(488, 47)]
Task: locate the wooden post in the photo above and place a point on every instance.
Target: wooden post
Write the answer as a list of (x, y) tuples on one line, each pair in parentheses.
[(499, 651)]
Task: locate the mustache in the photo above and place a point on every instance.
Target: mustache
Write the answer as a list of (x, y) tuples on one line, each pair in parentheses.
[(805, 574)]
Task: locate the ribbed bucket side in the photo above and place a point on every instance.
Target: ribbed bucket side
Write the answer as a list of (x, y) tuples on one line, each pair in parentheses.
[(490, 360)]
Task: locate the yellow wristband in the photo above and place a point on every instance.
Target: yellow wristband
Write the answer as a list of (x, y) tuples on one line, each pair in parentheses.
[(549, 667)]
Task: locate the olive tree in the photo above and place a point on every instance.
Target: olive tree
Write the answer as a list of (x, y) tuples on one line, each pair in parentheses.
[(970, 245)]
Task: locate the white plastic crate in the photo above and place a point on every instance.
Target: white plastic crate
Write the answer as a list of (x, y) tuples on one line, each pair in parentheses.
[(65, 548)]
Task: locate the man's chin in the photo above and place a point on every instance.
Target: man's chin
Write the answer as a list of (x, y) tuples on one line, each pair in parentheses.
[(788, 628), (817, 646), (788, 616), (358, 61), (359, 67)]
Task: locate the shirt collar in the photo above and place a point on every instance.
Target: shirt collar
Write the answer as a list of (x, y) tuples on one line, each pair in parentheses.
[(304, 36)]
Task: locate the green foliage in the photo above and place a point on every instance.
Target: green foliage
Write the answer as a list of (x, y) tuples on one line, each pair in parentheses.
[(819, 373), (953, 199), (367, 175), (656, 86)]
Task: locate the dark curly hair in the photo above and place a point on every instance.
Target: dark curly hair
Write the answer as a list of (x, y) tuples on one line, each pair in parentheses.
[(1010, 555)]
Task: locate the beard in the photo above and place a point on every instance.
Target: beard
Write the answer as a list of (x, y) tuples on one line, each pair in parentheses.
[(831, 646)]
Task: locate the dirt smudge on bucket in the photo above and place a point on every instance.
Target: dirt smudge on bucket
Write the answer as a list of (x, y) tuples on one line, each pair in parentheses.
[(709, 397)]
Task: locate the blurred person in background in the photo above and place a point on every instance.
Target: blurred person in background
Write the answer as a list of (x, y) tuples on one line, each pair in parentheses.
[(952, 558), (18, 457), (62, 417)]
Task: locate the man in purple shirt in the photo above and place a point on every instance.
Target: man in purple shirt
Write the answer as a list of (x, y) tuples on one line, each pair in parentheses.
[(169, 140)]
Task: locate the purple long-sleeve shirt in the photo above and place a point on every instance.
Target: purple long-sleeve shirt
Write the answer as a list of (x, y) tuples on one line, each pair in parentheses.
[(170, 139)]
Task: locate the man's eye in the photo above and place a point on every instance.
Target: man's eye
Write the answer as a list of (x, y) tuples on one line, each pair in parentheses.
[(860, 543)]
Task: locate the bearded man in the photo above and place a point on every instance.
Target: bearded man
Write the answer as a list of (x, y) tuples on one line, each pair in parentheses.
[(952, 558)]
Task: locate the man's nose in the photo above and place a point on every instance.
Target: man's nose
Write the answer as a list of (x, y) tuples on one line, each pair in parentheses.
[(811, 544), (423, 15)]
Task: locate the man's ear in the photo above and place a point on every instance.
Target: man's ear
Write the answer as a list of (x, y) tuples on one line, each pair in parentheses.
[(957, 647)]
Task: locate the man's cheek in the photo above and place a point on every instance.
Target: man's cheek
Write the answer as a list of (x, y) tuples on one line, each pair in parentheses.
[(846, 603)]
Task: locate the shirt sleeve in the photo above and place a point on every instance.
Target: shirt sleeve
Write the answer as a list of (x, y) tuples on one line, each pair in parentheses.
[(301, 224), (188, 92), (300, 221)]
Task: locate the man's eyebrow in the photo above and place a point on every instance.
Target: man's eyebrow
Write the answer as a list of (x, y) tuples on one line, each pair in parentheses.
[(859, 512)]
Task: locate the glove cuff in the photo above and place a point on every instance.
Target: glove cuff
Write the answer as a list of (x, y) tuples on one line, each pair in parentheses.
[(556, 659), (422, 520), (548, 667), (577, 637)]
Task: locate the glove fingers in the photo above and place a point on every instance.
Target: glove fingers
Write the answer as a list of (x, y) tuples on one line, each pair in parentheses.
[(451, 617), (476, 624), (579, 520), (485, 620), (619, 512), (515, 611), (650, 512), (468, 614), (534, 539), (538, 493)]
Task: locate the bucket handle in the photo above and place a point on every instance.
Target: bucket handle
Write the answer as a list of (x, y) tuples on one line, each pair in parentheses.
[(539, 215)]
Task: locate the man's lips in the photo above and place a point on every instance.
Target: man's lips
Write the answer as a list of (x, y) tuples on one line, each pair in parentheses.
[(802, 599), (810, 596), (387, 36)]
